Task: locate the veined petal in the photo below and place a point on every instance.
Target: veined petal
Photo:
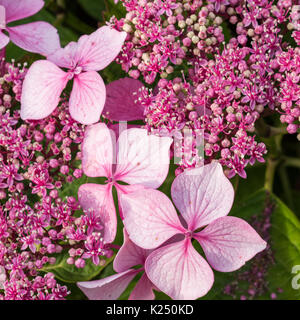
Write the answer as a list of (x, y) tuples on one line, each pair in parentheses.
[(142, 158), (99, 49), (19, 9), (149, 218), (98, 151), (42, 87), (4, 40), (179, 271), (143, 290), (65, 57), (121, 104), (129, 255), (202, 195), (124, 189), (118, 128), (87, 97), (109, 288), (2, 17), (99, 198), (39, 37), (229, 242)]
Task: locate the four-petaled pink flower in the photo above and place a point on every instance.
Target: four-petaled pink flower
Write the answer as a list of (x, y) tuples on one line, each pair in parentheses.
[(30, 241), (45, 81), (111, 288), (166, 6), (142, 161), (218, 4), (40, 37), (204, 197), (10, 173)]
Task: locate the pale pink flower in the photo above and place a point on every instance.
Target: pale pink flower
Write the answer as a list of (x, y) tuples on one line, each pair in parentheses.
[(204, 197), (40, 37), (142, 160), (111, 288), (45, 81)]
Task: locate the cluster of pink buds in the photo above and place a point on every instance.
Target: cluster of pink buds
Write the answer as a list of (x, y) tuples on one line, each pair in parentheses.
[(211, 90), (163, 34)]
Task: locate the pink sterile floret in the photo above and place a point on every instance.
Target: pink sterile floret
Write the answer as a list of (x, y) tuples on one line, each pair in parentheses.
[(204, 197), (45, 81), (142, 160)]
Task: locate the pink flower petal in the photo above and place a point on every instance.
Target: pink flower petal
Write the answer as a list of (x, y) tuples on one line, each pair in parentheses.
[(143, 290), (41, 90), (19, 9), (149, 218), (121, 104), (179, 271), (142, 158), (129, 255), (99, 49), (4, 40), (2, 17), (98, 151), (202, 195), (87, 97), (229, 242), (118, 128), (124, 189), (40, 37), (65, 57), (92, 52), (99, 198), (109, 288)]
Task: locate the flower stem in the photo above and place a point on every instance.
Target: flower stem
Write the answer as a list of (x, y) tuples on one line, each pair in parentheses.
[(267, 131), (292, 162), (270, 172)]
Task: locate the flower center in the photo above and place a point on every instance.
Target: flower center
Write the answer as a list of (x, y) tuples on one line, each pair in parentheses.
[(73, 72), (188, 234), (110, 180)]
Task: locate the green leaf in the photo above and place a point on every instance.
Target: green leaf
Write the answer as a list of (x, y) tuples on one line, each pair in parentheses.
[(285, 235), (166, 186), (112, 72), (71, 189), (93, 7), (112, 9), (284, 243), (255, 181), (76, 24), (14, 52), (71, 274)]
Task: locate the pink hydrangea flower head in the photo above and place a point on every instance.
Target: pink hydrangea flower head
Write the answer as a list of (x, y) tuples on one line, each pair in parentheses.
[(204, 197), (111, 288), (40, 37), (142, 160), (45, 80)]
